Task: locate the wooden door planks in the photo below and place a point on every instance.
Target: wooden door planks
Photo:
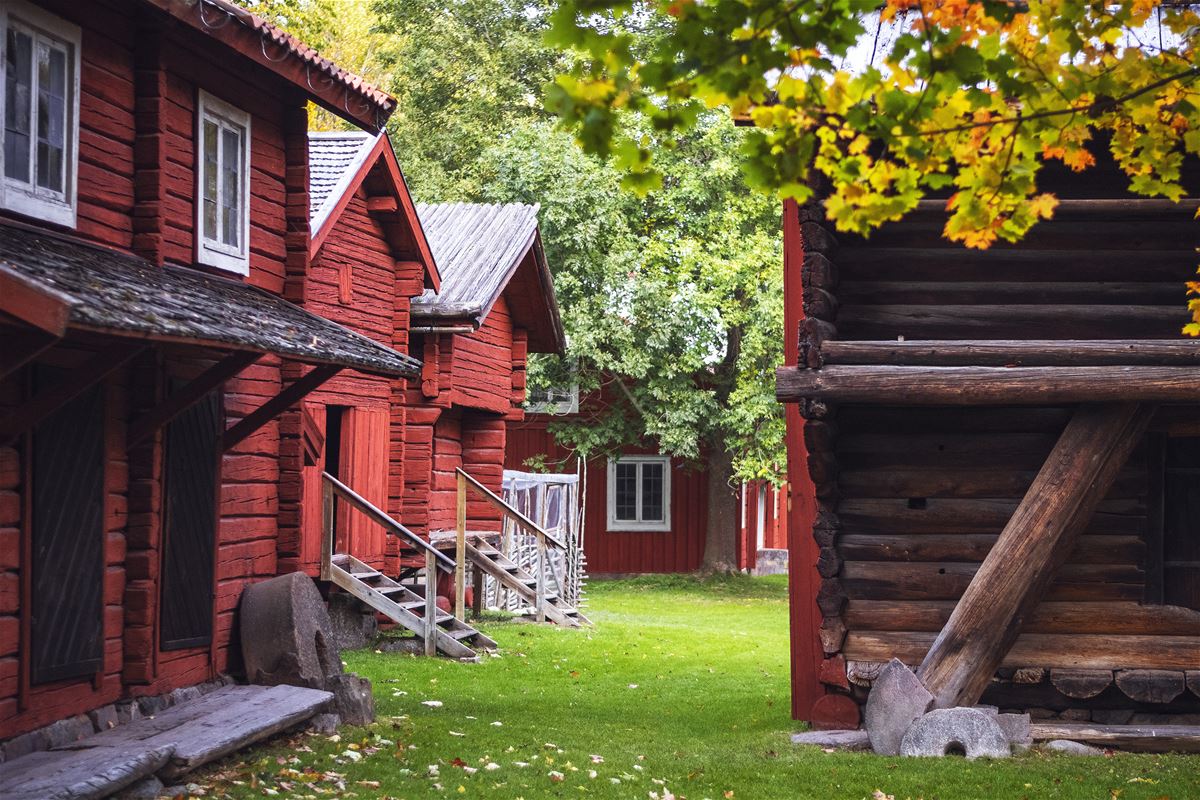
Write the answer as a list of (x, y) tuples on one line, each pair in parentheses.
[(1020, 567)]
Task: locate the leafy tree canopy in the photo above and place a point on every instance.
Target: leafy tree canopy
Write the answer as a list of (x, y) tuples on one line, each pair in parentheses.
[(891, 101), (672, 302)]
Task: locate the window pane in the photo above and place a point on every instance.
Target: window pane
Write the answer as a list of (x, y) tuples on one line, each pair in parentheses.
[(231, 187), (51, 118), (652, 492), (626, 492), (209, 148), (19, 102)]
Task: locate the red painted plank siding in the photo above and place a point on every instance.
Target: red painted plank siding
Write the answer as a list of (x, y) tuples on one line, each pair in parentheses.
[(680, 549)]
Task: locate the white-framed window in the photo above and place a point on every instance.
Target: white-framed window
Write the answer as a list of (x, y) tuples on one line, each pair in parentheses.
[(557, 400), (639, 493), (40, 109), (222, 185)]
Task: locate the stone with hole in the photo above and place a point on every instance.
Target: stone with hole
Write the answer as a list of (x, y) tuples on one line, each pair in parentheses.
[(967, 732), (286, 634), (897, 699)]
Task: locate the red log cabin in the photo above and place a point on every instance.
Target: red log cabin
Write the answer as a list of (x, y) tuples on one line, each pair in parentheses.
[(993, 458), (646, 512), (369, 259), (161, 303), (495, 305)]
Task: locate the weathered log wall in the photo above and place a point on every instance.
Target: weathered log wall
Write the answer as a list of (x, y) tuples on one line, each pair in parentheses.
[(911, 499)]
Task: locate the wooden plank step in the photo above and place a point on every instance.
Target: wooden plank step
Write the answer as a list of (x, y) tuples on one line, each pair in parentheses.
[(169, 744), (92, 772), (1137, 738), (221, 722)]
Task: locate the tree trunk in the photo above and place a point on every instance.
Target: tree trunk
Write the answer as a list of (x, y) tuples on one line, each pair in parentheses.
[(720, 538)]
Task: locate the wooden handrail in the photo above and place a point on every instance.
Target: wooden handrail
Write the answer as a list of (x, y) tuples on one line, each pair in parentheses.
[(394, 527), (510, 512)]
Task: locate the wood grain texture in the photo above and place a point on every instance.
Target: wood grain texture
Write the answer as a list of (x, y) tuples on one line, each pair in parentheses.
[(1030, 550)]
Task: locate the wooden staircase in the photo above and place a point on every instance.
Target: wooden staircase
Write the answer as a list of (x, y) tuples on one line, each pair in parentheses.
[(486, 558), (441, 632)]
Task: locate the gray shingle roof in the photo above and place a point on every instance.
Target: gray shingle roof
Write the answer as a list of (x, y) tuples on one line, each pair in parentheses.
[(115, 292), (477, 248), (333, 160)]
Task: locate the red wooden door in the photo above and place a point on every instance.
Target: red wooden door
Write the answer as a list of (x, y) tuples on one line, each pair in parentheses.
[(311, 511), (364, 456)]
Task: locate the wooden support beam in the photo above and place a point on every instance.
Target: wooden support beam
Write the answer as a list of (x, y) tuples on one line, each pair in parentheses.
[(34, 304), (1010, 353), (73, 384), (181, 400), (21, 347), (276, 405), (888, 385), (1137, 738), (1017, 571), (382, 204)]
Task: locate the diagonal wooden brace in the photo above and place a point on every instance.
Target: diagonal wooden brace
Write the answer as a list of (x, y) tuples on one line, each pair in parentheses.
[(281, 402), (1019, 568)]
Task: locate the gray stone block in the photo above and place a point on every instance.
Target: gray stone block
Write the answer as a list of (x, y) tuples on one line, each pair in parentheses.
[(24, 744), (409, 644), (68, 731), (148, 788), (354, 624), (287, 637), (897, 699), (352, 699), (1072, 748), (956, 731), (103, 718), (127, 711), (1017, 729), (838, 740), (184, 695), (149, 706), (325, 723)]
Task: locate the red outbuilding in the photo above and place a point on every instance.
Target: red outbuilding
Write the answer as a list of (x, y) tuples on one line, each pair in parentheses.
[(494, 306), (644, 511)]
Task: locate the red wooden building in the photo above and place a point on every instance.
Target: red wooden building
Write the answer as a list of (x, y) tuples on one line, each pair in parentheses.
[(370, 258), (645, 512), (992, 450), (157, 316), (495, 304)]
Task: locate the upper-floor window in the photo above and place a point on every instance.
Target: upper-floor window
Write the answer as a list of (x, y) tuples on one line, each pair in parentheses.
[(554, 400), (639, 493), (223, 185), (40, 112)]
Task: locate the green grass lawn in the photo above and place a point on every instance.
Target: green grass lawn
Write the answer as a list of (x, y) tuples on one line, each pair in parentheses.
[(680, 690)]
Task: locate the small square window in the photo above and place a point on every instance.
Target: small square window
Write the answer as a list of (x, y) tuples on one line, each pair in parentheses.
[(639, 493), (40, 113), (222, 185)]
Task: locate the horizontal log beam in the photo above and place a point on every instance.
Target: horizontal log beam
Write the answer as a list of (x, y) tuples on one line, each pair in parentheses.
[(1125, 618), (1136, 738), (1113, 208), (888, 385), (1010, 353), (1081, 651)]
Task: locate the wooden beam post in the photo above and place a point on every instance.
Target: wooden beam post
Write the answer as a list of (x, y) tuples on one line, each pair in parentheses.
[(75, 383), (460, 550), (327, 518), (181, 400), (1019, 568), (276, 405), (430, 604), (34, 304)]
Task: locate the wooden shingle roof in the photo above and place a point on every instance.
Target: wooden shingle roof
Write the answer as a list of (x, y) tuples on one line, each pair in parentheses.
[(110, 291)]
